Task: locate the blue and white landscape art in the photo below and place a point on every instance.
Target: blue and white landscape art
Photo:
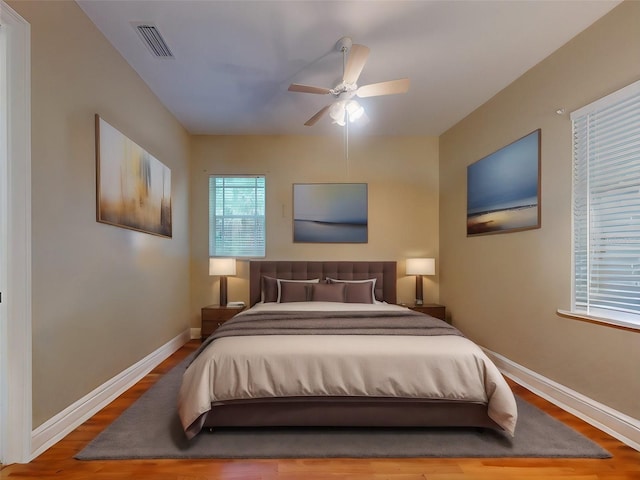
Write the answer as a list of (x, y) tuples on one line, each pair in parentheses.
[(503, 189), (330, 212)]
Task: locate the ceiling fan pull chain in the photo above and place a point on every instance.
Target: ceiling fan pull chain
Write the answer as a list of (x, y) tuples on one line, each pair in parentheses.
[(346, 144), (346, 127)]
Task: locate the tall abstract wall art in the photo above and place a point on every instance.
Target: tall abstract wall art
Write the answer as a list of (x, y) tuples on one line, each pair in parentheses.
[(133, 187), (503, 189)]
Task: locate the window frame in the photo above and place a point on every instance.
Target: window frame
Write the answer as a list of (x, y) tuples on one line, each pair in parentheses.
[(212, 217), (611, 317)]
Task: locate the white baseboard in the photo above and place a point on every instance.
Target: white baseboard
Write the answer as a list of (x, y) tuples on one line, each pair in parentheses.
[(57, 427), (195, 333), (615, 423)]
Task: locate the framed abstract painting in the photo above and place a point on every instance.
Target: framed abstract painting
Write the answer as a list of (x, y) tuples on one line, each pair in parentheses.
[(133, 188), (503, 189), (330, 213)]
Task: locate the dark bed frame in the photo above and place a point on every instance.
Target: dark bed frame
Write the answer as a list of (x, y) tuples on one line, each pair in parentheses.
[(341, 411)]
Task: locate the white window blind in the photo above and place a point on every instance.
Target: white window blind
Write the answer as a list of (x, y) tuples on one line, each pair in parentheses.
[(236, 216), (606, 207)]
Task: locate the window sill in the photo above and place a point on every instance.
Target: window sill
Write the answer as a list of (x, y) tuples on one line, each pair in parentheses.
[(601, 320)]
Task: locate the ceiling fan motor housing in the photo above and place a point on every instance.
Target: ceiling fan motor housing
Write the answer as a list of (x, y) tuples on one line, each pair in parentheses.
[(344, 44), (344, 90)]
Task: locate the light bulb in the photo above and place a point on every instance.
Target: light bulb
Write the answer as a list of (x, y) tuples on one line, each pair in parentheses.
[(355, 110)]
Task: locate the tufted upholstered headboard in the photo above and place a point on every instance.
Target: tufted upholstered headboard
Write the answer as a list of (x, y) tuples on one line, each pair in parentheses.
[(383, 272)]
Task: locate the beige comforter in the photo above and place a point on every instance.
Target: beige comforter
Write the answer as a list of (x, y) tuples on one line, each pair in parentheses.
[(447, 367)]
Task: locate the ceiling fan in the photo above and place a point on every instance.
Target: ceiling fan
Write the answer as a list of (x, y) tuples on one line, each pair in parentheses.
[(345, 107)]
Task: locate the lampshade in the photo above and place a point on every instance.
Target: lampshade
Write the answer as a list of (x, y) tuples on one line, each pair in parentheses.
[(354, 109), (222, 266), (344, 110), (421, 266), (337, 113)]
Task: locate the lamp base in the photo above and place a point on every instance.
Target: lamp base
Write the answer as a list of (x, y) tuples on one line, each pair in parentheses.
[(223, 291), (419, 295)]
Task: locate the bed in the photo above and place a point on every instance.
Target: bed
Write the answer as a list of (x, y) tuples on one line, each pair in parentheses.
[(325, 345)]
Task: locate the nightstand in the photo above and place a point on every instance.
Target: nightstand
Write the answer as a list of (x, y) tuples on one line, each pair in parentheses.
[(433, 309), (215, 315)]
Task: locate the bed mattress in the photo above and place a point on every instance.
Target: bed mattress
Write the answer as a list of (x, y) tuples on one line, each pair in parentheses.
[(441, 368)]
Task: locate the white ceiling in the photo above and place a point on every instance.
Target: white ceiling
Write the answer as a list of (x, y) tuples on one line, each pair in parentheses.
[(233, 60)]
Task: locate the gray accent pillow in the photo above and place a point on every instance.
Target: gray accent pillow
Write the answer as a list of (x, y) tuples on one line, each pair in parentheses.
[(358, 291), (327, 292), (281, 281), (270, 287), (294, 292)]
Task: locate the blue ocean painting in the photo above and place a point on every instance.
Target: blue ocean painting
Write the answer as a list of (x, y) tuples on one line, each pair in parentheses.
[(330, 213), (502, 188)]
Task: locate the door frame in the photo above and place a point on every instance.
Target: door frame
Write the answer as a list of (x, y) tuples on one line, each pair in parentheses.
[(15, 258)]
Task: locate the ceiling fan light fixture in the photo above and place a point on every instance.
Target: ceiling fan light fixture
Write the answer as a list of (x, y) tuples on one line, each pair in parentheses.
[(337, 113), (354, 110)]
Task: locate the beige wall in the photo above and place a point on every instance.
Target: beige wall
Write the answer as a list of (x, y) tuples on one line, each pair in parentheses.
[(503, 290), (103, 297), (402, 178)]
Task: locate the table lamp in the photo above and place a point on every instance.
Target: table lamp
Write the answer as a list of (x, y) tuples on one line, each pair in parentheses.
[(420, 267), (222, 267)]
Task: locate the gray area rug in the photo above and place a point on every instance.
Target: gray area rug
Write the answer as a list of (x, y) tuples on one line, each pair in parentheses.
[(150, 428)]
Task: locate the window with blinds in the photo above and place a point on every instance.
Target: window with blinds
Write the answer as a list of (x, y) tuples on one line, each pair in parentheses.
[(606, 207), (236, 216)]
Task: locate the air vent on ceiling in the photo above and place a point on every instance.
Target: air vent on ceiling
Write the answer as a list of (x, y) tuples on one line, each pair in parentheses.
[(152, 38)]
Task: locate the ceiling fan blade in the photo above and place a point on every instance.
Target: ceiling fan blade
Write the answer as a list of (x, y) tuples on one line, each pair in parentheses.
[(357, 58), (296, 87), (384, 88), (313, 120)]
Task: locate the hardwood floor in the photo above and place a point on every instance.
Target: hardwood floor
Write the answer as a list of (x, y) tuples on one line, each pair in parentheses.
[(58, 461)]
